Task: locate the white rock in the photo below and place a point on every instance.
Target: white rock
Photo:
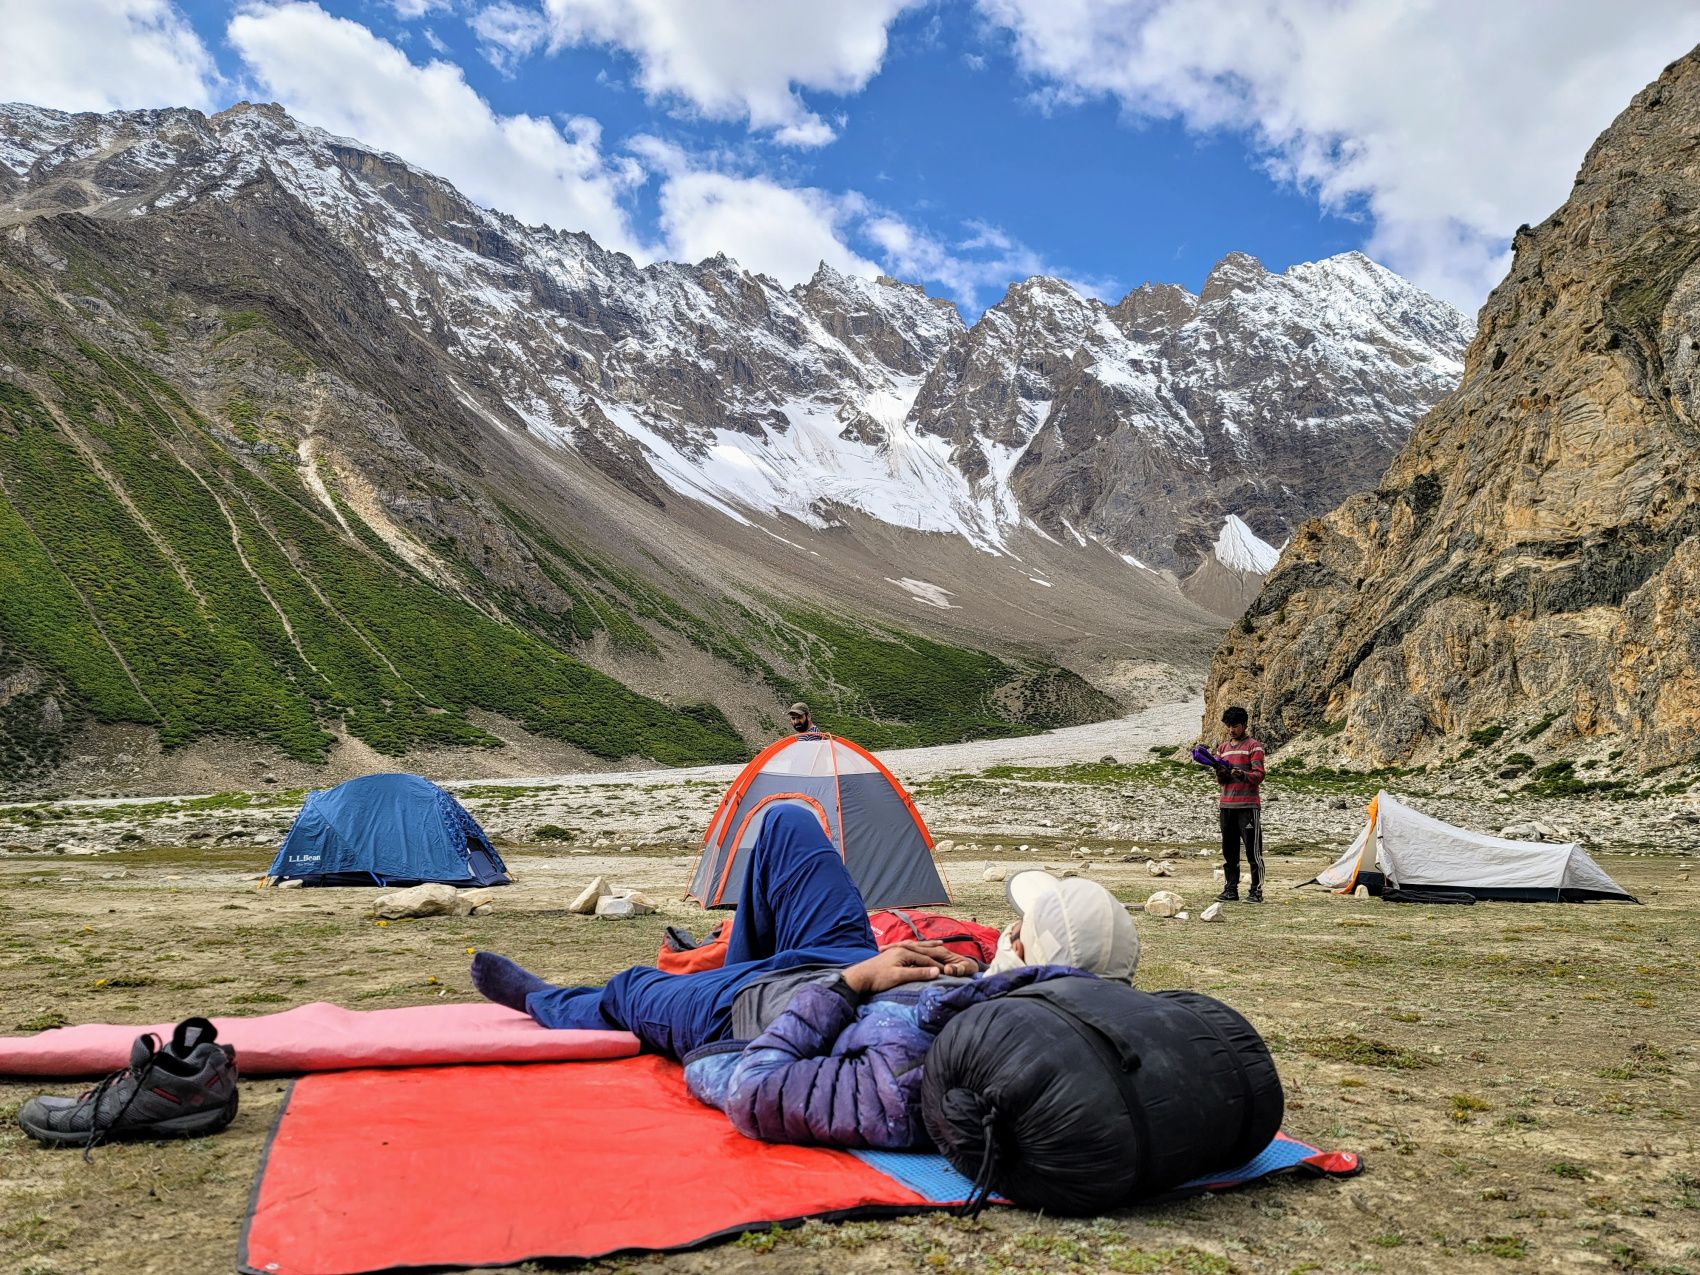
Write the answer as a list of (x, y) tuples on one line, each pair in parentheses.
[(945, 846), (1219, 874), (1160, 868), (614, 906), (431, 899), (1362, 892), (594, 893), (294, 883), (638, 897), (996, 872), (1181, 916), (482, 908), (1211, 913), (1164, 903), (469, 901)]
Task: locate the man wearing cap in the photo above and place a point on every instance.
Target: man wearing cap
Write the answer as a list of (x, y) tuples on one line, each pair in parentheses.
[(802, 721)]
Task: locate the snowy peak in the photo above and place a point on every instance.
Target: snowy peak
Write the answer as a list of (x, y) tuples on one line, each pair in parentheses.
[(1236, 272), (1126, 428), (1239, 548), (896, 324)]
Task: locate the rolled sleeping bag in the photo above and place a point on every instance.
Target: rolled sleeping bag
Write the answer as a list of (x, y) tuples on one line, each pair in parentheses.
[(1079, 1095)]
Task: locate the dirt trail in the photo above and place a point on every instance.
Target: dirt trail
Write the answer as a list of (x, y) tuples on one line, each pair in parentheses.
[(1127, 738)]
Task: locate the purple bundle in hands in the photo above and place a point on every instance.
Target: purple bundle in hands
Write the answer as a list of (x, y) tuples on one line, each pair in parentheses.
[(1204, 757)]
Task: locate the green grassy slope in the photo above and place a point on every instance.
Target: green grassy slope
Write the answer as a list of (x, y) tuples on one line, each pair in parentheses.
[(166, 567), (163, 581)]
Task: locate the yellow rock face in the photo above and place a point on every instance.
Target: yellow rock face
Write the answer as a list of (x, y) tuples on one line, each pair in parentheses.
[(1533, 554)]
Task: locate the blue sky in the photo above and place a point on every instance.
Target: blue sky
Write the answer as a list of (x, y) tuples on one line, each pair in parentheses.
[(964, 144)]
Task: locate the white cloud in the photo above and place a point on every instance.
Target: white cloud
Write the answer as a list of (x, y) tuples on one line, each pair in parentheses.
[(102, 55), (707, 205), (783, 231), (1447, 123), (740, 59), (507, 33), (411, 9), (961, 268), (335, 73)]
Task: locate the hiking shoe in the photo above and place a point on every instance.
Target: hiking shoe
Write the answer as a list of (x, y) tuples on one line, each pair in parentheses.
[(1256, 896), (184, 1089), (1229, 895)]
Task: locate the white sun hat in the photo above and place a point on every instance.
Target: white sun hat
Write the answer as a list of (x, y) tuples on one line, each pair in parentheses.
[(1073, 921)]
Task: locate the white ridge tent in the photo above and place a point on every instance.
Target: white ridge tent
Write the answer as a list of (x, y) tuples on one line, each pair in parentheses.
[(1403, 849)]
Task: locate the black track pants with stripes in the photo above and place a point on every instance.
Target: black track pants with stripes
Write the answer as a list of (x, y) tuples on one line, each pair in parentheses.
[(1242, 826)]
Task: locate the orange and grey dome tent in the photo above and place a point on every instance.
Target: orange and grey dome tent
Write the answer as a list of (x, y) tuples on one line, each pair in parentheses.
[(860, 805)]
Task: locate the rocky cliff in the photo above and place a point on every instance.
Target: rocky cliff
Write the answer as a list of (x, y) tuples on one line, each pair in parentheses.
[(1528, 569)]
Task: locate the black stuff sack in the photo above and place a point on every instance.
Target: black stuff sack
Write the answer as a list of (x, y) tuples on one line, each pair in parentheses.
[(1079, 1095)]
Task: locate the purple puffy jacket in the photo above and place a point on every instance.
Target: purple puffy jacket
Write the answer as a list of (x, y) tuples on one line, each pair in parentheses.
[(834, 1071)]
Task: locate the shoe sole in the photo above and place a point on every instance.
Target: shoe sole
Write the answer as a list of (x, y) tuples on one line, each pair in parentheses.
[(199, 1124)]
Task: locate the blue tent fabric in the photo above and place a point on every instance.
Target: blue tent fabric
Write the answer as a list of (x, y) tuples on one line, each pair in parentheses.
[(386, 830)]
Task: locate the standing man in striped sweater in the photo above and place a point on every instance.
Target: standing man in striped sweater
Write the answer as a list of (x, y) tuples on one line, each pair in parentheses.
[(1241, 776)]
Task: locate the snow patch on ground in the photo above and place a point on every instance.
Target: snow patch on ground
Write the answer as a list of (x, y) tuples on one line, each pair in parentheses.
[(1239, 549), (923, 591)]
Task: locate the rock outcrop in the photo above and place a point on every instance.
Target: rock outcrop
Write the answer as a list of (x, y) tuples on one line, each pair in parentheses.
[(1528, 569)]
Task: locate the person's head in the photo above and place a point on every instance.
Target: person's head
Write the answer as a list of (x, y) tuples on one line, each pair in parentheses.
[(1067, 921), (800, 718), (1237, 720)]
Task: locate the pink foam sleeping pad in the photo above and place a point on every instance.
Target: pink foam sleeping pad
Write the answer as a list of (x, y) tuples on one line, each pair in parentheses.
[(324, 1037)]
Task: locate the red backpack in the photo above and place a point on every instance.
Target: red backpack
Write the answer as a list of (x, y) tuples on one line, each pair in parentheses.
[(965, 938), (681, 954)]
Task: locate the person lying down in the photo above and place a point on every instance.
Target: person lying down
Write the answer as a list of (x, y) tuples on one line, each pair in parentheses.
[(810, 1033)]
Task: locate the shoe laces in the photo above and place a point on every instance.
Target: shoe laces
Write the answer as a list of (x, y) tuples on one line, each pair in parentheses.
[(137, 1068)]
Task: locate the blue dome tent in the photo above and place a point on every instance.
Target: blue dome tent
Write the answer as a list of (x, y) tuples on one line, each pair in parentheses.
[(386, 830)]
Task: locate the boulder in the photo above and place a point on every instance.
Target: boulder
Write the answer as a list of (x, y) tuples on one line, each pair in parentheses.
[(1219, 874), (294, 883), (1160, 868), (994, 872), (1212, 913), (473, 901), (431, 899), (1362, 892), (618, 908), (1164, 903), (945, 846), (592, 894)]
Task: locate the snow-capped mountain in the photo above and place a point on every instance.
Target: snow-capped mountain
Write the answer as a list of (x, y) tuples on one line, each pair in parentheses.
[(1135, 428)]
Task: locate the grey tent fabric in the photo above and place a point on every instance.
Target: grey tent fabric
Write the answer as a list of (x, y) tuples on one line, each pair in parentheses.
[(859, 803), (1412, 849)]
